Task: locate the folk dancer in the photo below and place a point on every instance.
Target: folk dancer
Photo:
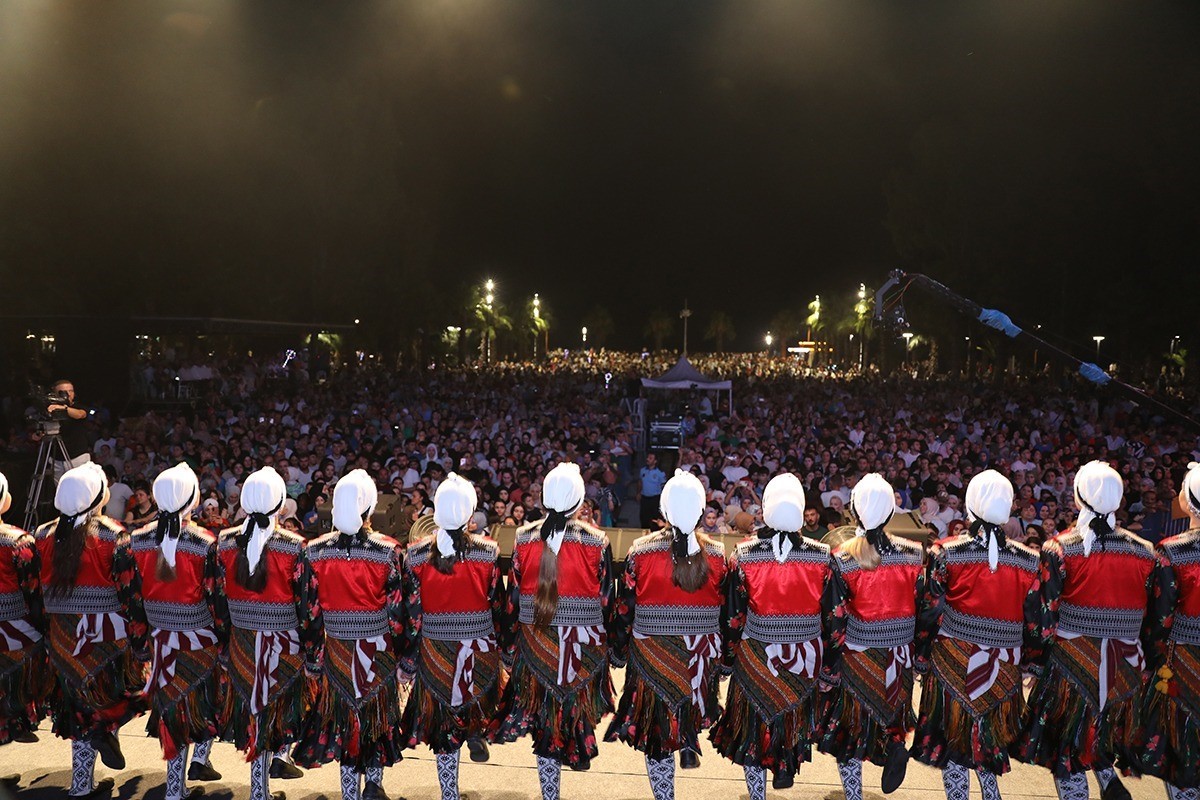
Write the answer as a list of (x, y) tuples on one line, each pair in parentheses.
[(455, 603), (91, 589), (869, 610), (276, 637), (979, 595), (1169, 745), (667, 629), (773, 608), (361, 602), (1096, 579), (557, 616), (25, 677), (189, 627)]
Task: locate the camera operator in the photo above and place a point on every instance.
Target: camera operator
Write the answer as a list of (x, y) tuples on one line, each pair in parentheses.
[(72, 427)]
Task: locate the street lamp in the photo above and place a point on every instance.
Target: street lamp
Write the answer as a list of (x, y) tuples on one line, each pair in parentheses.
[(537, 315), (1097, 340), (769, 339), (1174, 341), (907, 343), (584, 332), (968, 338)]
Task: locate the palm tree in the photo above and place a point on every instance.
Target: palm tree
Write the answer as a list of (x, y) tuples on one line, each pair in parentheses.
[(490, 317), (599, 324), (786, 327), (858, 322), (659, 326), (538, 320), (720, 329)]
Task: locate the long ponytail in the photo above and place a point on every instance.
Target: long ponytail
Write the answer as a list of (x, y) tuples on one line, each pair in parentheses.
[(545, 603), (861, 550), (70, 540), (691, 571)]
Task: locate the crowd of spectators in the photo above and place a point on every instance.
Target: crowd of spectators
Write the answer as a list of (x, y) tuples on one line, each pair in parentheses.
[(506, 425)]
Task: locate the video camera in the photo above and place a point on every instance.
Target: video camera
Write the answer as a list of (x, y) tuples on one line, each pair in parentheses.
[(48, 424)]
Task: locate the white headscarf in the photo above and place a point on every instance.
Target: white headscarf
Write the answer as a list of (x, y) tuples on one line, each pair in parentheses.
[(1098, 493), (783, 511), (263, 494), (989, 500), (874, 502), (562, 495), (81, 490), (354, 499), (453, 504), (1190, 489), (177, 492), (3, 491), (682, 506)]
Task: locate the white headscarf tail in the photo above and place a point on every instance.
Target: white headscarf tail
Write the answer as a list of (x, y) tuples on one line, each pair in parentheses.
[(682, 506), (989, 499), (262, 497), (453, 505), (1098, 492), (177, 492), (562, 494)]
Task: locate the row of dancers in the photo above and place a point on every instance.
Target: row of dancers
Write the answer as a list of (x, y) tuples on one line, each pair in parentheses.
[(258, 638)]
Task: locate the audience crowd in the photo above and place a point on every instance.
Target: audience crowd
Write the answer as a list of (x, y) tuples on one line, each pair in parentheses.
[(505, 426)]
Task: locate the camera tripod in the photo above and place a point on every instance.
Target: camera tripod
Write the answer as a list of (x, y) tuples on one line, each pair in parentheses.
[(50, 450)]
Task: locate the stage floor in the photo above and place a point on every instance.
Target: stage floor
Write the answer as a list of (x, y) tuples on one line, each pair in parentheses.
[(617, 774)]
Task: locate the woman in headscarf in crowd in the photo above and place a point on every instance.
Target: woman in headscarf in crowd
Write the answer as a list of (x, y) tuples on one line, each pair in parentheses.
[(773, 632), (667, 627), (189, 626), (557, 615), (91, 589), (276, 635), (869, 610), (455, 603), (362, 606), (25, 677), (1169, 744), (1083, 710), (978, 597)]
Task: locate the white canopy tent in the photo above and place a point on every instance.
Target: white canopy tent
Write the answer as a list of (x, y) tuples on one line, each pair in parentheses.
[(684, 376)]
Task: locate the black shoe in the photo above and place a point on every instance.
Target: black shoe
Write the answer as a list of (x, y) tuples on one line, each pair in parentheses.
[(11, 781), (582, 766), (103, 788), (478, 749), (202, 772), (783, 780), (29, 737), (373, 791), (895, 769), (108, 747), (689, 759), (285, 771), (278, 796), (1115, 790)]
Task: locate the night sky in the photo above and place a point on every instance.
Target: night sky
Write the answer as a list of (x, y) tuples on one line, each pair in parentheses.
[(324, 161)]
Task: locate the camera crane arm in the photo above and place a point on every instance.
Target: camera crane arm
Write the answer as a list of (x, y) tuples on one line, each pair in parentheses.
[(893, 315)]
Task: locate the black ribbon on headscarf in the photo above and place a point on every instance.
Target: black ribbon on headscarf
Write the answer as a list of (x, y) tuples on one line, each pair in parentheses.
[(1191, 498), (990, 528), (168, 521), (1099, 524), (66, 522), (556, 522), (679, 544), (792, 536), (348, 540), (877, 537), (254, 519)]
